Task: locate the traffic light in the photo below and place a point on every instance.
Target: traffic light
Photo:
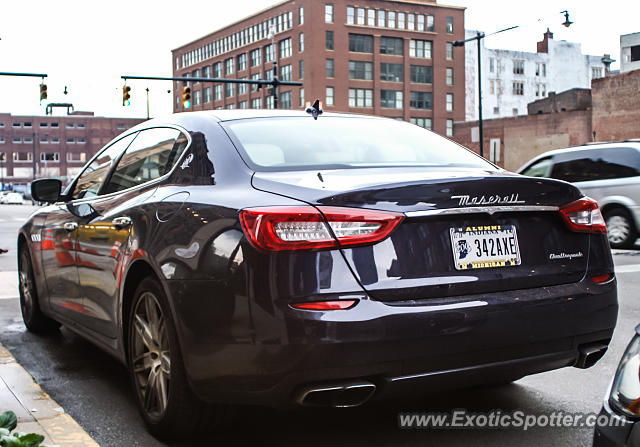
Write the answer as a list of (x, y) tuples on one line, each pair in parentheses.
[(125, 95), (186, 97), (43, 92)]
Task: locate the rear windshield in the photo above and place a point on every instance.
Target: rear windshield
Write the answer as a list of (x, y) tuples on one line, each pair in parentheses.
[(279, 144)]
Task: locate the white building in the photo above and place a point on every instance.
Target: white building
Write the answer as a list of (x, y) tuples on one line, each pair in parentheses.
[(629, 52), (513, 79)]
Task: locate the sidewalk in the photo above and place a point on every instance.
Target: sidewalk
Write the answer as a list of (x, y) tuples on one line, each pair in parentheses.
[(9, 285), (36, 411)]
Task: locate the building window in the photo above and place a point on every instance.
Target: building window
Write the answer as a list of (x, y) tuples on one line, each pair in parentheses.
[(217, 70), (301, 42), (361, 70), (391, 99), (411, 22), (329, 40), (421, 100), (229, 66), (360, 97), (391, 72), (449, 132), (44, 140), (360, 43), (49, 157), (27, 124), (449, 76), (229, 90), (422, 74), (371, 17), (285, 73), (518, 67), (81, 140), (382, 18), (301, 68), (69, 125), (55, 140), (255, 58), (361, 13), (217, 92), (16, 140), (329, 68), (541, 69), (207, 94), (255, 77), (449, 25), (401, 20), (449, 106), (242, 105), (195, 74), (328, 13), (2, 140), (285, 100), (206, 71), (242, 62), (391, 19), (392, 45), (70, 141), (596, 72), (420, 22), (78, 157), (431, 23), (518, 88), (492, 87), (420, 48), (231, 106), (22, 157), (300, 15), (449, 51), (242, 88), (269, 103), (54, 125), (329, 93), (197, 98), (351, 15), (491, 65), (285, 48), (256, 103), (301, 96), (541, 90), (269, 55), (422, 122), (41, 124)]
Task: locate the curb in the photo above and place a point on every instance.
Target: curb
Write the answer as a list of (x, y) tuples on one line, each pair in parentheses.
[(36, 411)]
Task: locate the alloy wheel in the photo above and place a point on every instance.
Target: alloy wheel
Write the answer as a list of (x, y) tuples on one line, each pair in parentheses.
[(26, 287), (618, 229), (151, 362)]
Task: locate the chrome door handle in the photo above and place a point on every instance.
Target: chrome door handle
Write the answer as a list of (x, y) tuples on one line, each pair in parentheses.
[(70, 226), (121, 222)]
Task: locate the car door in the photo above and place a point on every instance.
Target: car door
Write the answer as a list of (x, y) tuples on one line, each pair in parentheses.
[(104, 234), (62, 253)]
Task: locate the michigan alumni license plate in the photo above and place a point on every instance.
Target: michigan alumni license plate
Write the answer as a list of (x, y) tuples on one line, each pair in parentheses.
[(485, 246)]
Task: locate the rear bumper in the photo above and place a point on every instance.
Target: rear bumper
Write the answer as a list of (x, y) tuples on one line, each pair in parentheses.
[(436, 343)]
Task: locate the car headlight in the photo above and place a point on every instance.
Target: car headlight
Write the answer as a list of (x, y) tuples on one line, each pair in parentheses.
[(625, 391)]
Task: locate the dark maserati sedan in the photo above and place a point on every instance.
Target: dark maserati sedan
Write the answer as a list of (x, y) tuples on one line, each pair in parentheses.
[(270, 258)]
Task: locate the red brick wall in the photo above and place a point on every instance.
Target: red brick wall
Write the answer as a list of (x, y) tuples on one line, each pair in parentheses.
[(616, 106)]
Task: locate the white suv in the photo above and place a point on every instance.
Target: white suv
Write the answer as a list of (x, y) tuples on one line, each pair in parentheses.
[(608, 172)]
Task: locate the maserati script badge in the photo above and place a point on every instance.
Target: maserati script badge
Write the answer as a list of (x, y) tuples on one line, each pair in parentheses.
[(467, 200)]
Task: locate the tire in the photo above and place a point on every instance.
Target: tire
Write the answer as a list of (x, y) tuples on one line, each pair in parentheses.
[(32, 315), (621, 230), (169, 409)]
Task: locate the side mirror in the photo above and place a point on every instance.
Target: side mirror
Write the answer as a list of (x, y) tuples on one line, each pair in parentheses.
[(46, 190)]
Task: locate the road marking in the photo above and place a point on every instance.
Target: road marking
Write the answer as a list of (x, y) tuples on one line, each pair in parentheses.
[(35, 407), (9, 285), (629, 268)]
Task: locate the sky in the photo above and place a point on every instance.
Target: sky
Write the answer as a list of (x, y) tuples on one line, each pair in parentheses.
[(87, 45)]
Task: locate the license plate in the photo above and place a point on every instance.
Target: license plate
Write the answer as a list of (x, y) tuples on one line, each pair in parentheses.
[(485, 246)]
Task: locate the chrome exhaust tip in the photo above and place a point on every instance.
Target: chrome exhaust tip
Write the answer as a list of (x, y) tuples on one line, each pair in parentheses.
[(340, 395), (588, 355)]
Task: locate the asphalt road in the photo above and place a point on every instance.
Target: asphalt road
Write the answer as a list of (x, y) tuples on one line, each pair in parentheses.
[(93, 388)]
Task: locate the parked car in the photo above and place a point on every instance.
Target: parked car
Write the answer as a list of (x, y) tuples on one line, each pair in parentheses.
[(13, 198), (266, 257), (607, 172), (621, 406), (3, 194)]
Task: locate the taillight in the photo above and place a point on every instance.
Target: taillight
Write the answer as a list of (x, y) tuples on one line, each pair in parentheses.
[(309, 228), (325, 305), (583, 216)]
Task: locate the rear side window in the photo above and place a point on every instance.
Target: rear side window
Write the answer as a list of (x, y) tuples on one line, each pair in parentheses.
[(601, 164), (91, 179), (150, 156), (538, 169)]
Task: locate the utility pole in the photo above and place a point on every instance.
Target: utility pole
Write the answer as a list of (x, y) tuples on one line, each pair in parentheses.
[(147, 102), (33, 140)]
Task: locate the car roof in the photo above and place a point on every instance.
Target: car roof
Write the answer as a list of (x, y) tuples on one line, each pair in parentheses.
[(585, 147)]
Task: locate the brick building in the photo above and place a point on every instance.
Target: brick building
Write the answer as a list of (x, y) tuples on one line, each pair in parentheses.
[(610, 111), (392, 58), (61, 144)]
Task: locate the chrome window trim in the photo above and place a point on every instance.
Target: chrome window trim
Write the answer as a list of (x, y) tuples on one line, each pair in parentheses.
[(150, 182), (481, 209)]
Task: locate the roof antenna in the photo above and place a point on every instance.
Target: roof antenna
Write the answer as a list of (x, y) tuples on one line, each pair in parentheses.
[(315, 109)]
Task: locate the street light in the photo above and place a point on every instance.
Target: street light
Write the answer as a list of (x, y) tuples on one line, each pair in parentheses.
[(274, 90), (479, 36)]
